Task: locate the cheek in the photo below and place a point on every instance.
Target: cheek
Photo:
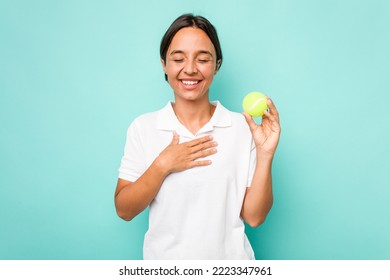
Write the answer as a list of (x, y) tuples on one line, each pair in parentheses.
[(207, 70), (173, 73), (173, 70), (208, 74)]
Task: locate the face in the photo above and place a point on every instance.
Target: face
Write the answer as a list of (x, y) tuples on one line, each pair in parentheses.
[(190, 64)]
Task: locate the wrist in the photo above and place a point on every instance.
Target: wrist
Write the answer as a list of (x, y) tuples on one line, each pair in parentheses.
[(264, 157), (161, 167)]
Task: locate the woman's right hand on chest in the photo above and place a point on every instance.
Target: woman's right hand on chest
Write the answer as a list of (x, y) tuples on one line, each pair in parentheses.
[(181, 156)]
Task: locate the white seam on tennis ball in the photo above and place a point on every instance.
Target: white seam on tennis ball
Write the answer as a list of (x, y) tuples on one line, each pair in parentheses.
[(255, 103)]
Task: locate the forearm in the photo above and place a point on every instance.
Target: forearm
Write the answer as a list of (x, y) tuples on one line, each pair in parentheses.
[(133, 197), (259, 198)]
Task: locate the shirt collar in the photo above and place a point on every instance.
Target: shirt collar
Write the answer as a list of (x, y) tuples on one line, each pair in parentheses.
[(167, 119)]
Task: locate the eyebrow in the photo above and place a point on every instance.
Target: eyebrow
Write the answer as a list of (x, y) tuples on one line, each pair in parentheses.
[(198, 53)]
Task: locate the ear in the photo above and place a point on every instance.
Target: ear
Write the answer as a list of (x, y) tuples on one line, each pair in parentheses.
[(164, 66), (217, 66)]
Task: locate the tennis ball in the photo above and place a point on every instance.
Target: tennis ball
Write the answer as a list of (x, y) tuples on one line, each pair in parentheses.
[(255, 103)]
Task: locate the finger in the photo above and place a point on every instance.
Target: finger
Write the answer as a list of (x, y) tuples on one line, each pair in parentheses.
[(273, 120), (203, 146), (198, 141), (200, 163), (175, 139), (203, 153), (250, 121), (270, 116), (272, 108)]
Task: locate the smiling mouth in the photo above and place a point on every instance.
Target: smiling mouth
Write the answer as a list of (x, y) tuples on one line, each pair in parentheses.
[(190, 83)]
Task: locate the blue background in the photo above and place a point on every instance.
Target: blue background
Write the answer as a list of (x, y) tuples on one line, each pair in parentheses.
[(74, 74)]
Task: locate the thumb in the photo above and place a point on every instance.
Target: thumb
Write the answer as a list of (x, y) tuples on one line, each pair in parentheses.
[(175, 139), (250, 121)]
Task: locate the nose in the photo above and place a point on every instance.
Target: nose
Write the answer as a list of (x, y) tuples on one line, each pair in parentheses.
[(190, 67)]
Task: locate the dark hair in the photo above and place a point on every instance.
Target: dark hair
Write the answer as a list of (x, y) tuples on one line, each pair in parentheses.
[(189, 20)]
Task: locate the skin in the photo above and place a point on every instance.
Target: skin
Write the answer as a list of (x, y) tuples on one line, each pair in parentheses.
[(191, 56), (191, 65)]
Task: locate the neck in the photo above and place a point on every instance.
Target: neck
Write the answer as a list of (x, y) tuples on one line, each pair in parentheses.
[(193, 114)]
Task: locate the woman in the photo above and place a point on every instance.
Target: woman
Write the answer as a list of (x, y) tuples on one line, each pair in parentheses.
[(202, 169)]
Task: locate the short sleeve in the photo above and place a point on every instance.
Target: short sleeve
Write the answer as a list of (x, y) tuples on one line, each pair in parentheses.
[(133, 161), (252, 163)]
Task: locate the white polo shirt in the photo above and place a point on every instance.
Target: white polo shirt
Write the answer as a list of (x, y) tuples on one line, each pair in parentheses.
[(196, 213)]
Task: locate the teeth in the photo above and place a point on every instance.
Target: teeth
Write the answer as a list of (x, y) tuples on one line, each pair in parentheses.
[(190, 82)]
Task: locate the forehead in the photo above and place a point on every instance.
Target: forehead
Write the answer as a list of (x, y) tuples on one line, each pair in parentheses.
[(191, 39)]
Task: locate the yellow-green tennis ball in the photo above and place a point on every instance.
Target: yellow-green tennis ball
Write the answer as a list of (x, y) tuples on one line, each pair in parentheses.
[(255, 103)]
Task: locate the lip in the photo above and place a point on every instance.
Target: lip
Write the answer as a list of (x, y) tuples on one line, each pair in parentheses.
[(191, 85)]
